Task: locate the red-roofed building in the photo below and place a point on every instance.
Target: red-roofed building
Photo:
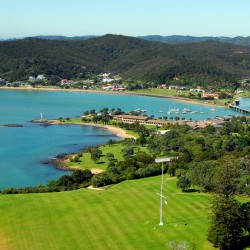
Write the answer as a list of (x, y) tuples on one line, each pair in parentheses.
[(210, 95)]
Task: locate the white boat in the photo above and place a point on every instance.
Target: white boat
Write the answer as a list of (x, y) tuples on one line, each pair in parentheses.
[(187, 110), (137, 110), (174, 109)]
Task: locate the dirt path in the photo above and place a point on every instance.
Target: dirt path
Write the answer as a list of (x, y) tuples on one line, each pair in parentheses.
[(92, 188)]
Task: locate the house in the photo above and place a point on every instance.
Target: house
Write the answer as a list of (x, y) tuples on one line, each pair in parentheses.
[(162, 86), (107, 80), (201, 124), (197, 90), (41, 78), (172, 87), (63, 81), (105, 75), (32, 78), (210, 95), (2, 82), (160, 132), (109, 87)]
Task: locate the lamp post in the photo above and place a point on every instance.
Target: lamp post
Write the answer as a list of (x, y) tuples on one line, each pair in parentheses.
[(165, 159)]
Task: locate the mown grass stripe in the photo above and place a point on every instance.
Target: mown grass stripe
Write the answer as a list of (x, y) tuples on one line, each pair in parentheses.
[(125, 216)]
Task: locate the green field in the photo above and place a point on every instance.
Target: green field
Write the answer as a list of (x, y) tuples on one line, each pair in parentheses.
[(125, 216), (87, 163), (184, 94)]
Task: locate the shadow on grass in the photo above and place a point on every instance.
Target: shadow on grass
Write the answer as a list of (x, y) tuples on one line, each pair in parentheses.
[(191, 190), (100, 162)]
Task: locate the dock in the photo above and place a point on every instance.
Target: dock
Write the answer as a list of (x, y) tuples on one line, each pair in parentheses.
[(240, 109)]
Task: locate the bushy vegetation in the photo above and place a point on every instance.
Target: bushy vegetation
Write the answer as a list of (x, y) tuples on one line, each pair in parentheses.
[(144, 64), (78, 179)]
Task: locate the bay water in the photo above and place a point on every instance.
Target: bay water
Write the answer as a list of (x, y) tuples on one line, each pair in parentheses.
[(23, 149)]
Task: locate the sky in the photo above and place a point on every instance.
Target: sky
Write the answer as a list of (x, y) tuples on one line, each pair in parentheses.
[(24, 18)]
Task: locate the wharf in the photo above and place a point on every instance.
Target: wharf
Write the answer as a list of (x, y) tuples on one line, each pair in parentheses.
[(239, 109)]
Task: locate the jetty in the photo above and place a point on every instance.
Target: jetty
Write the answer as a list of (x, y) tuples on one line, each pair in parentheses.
[(239, 109)]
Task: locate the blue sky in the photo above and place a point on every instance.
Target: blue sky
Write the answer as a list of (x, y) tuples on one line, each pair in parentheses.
[(22, 18)]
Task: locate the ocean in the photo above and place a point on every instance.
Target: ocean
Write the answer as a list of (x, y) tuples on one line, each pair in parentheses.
[(23, 149)]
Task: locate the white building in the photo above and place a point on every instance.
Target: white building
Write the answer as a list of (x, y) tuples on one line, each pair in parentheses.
[(41, 78), (2, 82)]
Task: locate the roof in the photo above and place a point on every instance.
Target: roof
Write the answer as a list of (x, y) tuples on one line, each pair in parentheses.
[(132, 117)]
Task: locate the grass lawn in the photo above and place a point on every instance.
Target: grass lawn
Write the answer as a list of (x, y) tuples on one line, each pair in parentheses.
[(125, 216), (183, 94), (166, 92), (87, 163)]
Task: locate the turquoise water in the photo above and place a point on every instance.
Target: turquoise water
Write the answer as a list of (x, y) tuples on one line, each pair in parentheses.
[(23, 149), (244, 102)]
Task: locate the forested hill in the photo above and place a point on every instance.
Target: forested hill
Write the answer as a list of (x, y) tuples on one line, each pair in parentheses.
[(127, 56)]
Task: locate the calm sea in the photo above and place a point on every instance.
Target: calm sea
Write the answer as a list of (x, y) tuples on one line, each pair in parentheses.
[(22, 150)]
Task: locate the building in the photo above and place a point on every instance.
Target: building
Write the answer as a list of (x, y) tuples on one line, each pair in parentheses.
[(2, 82), (41, 78), (130, 118), (210, 95), (32, 78), (160, 132)]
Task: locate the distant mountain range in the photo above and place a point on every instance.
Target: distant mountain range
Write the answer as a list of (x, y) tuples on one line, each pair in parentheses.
[(132, 58), (239, 40), (174, 39)]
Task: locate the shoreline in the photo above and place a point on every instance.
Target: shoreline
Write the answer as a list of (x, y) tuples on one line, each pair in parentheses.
[(60, 162), (117, 131), (129, 93)]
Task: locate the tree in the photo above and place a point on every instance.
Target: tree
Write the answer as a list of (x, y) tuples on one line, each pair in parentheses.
[(201, 174), (95, 154), (144, 158), (79, 176), (65, 181), (111, 142), (183, 183), (209, 129), (95, 118), (226, 178), (128, 152), (76, 158), (109, 156), (102, 179), (227, 223), (246, 211), (142, 139)]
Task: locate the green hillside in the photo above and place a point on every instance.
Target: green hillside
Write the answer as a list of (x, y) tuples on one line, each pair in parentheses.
[(125, 216), (130, 57)]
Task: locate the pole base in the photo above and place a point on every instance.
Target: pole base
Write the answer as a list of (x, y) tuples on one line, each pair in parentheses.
[(161, 223)]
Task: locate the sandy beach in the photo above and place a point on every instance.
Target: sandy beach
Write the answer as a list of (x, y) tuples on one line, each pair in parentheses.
[(117, 131)]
